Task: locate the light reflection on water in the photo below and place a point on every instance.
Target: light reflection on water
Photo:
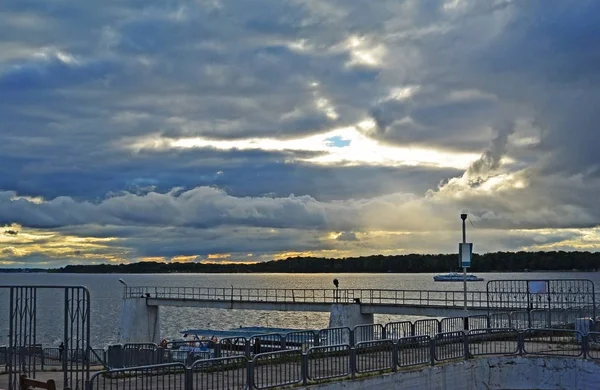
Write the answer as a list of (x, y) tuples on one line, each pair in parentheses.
[(106, 293)]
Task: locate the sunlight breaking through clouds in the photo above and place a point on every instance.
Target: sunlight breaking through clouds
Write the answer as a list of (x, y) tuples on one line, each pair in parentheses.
[(53, 246), (359, 149), (364, 52)]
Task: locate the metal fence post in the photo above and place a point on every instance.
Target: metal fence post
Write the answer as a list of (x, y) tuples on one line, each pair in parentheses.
[(305, 369), (432, 350), (466, 345), (189, 378), (353, 362), (190, 359), (395, 356), (250, 374), (521, 342), (351, 337)]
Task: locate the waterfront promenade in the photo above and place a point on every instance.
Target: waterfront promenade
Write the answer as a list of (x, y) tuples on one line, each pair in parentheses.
[(365, 361), (344, 354), (548, 321)]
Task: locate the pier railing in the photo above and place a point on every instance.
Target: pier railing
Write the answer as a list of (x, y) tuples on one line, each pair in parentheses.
[(329, 296), (344, 361), (138, 354)]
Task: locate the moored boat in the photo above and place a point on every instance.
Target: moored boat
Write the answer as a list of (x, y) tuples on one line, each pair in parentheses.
[(456, 277), (201, 343)]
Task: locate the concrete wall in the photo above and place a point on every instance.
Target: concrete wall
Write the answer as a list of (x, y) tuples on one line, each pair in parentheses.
[(139, 323), (493, 373), (348, 315)]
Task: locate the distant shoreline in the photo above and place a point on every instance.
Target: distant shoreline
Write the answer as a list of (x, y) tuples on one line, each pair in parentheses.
[(45, 271), (500, 262)]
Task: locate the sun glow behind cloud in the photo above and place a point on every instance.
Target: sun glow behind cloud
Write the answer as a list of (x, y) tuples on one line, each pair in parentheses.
[(23, 243), (364, 53), (357, 148)]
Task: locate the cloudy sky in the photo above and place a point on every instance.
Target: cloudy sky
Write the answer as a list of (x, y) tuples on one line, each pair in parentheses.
[(248, 130)]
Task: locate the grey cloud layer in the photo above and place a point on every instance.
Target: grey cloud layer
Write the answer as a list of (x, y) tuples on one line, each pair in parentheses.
[(516, 81)]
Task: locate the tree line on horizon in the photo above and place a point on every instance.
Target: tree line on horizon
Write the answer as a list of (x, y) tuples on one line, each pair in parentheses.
[(410, 263)]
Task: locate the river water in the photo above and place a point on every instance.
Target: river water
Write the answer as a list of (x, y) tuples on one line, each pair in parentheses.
[(106, 293)]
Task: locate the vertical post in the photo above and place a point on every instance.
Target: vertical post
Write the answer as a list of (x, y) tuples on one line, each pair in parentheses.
[(432, 350), (464, 240), (394, 356), (65, 337), (11, 342), (188, 378), (304, 369), (250, 374), (549, 314), (353, 362)]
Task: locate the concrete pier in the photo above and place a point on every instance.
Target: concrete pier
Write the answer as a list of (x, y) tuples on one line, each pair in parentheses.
[(139, 322), (408, 309), (348, 315)]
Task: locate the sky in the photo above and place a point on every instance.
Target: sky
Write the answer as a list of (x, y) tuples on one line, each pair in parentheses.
[(252, 130)]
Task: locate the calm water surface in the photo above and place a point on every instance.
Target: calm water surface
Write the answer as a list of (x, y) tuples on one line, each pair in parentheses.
[(106, 293)]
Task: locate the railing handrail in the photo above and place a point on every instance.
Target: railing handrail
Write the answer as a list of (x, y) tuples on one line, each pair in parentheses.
[(148, 288), (316, 332), (310, 295), (435, 349)]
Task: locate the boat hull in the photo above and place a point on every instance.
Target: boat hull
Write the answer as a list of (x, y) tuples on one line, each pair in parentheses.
[(456, 277), (458, 280)]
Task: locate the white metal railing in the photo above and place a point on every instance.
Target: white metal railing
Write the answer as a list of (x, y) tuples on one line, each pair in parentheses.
[(328, 296)]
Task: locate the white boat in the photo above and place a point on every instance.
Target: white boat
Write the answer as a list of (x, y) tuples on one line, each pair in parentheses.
[(456, 277)]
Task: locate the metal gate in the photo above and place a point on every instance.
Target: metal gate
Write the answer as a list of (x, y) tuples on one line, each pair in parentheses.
[(551, 295), (68, 308)]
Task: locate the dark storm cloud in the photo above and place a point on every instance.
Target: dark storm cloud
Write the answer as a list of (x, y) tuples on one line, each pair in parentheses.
[(239, 172), (49, 73), (536, 58)]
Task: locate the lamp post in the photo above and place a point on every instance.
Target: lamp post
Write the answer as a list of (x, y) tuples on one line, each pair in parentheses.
[(124, 284), (465, 251), (464, 240), (336, 283)]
